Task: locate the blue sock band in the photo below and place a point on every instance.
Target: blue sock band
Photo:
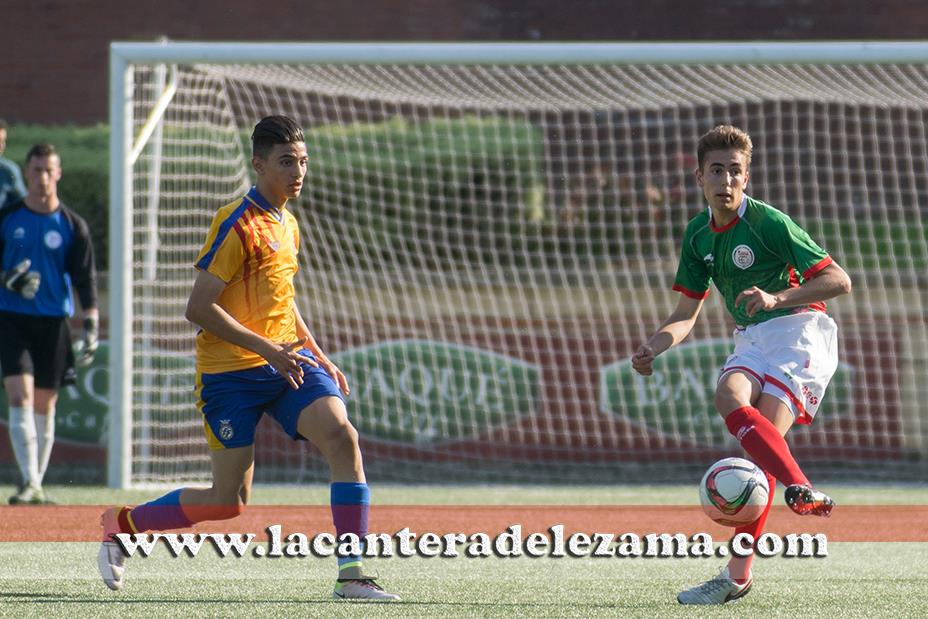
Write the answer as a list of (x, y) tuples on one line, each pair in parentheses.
[(162, 514), (350, 508)]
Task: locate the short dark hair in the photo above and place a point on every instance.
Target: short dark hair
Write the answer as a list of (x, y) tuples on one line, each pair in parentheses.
[(274, 130), (3, 124), (40, 150), (724, 137)]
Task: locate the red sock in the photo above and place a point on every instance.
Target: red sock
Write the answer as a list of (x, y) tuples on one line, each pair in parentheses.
[(739, 568), (763, 442)]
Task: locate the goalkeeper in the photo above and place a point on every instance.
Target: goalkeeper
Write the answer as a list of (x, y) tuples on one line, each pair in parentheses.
[(45, 249)]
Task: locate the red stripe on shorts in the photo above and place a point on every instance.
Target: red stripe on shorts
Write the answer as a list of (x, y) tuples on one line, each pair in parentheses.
[(804, 417), (743, 368)]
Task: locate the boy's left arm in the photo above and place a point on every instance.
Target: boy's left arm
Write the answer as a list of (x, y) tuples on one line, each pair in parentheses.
[(830, 282)]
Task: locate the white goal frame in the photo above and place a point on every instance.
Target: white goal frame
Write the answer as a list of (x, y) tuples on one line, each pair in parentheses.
[(125, 146)]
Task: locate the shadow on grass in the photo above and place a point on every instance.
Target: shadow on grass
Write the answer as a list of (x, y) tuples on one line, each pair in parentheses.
[(59, 598)]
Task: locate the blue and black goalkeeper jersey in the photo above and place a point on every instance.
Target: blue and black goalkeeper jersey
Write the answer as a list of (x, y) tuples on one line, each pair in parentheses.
[(59, 246)]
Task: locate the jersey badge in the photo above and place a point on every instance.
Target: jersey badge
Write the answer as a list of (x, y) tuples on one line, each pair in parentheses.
[(53, 239), (743, 257), (225, 429)]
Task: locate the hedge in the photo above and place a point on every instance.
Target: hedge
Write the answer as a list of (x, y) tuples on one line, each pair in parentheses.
[(427, 195), (415, 194), (433, 195)]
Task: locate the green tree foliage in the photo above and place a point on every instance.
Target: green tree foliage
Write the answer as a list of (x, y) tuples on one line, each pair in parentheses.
[(430, 195)]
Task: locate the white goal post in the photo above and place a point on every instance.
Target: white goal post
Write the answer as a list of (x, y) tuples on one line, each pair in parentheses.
[(479, 208)]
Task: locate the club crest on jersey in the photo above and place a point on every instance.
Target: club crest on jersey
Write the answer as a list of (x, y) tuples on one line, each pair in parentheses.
[(743, 257), (225, 429), (53, 239), (19, 233)]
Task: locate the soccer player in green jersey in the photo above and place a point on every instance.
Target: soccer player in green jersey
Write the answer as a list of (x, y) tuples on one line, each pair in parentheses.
[(774, 279)]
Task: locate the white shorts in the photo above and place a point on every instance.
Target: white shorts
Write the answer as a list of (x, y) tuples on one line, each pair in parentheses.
[(791, 357)]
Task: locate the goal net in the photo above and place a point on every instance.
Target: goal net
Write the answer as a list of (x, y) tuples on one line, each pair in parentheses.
[(486, 241)]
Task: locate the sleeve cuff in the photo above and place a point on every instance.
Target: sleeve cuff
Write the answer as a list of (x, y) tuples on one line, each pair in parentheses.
[(689, 293), (813, 270)]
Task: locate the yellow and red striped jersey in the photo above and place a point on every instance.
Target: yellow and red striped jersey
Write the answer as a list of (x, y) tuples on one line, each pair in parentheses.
[(253, 247)]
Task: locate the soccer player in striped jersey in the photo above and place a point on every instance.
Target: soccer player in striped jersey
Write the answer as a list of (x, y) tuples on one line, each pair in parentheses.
[(774, 279), (255, 356)]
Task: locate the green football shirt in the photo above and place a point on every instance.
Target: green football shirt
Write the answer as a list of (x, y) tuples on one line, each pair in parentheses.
[(761, 247)]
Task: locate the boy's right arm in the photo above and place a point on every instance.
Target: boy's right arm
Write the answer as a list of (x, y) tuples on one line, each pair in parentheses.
[(671, 332), (204, 311)]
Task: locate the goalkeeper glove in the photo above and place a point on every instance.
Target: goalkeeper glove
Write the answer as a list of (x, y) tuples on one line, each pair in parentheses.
[(86, 346), (21, 280)]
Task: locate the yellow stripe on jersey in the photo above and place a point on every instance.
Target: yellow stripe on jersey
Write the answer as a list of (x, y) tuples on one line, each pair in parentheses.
[(253, 248)]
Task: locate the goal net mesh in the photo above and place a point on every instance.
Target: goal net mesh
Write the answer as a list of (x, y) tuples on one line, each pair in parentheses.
[(483, 247)]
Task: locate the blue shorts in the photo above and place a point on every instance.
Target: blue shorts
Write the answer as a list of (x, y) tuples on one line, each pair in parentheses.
[(232, 403)]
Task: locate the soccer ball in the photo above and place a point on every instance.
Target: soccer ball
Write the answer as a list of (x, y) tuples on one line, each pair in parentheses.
[(733, 492)]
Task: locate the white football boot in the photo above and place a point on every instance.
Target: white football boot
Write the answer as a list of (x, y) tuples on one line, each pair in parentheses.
[(362, 589), (28, 495), (719, 590), (111, 560)]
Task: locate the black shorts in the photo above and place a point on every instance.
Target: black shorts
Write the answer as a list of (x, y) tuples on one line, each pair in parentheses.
[(37, 345)]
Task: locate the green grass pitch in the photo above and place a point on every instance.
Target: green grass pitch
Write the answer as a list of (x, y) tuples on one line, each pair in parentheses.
[(855, 580)]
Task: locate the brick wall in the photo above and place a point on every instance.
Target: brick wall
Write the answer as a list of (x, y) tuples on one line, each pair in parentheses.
[(53, 53)]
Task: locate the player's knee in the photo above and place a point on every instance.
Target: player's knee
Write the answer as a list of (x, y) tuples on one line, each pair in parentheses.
[(19, 400), (721, 397), (725, 401), (341, 439)]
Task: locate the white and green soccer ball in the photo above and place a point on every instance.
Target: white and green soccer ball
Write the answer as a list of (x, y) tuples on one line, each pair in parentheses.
[(733, 492)]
